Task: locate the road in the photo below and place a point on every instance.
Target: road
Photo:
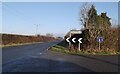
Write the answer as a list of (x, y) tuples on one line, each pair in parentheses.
[(36, 58)]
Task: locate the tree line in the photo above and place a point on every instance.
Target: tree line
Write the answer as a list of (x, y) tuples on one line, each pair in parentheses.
[(96, 25)]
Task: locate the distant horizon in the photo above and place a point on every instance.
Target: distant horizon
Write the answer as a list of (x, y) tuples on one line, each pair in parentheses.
[(54, 17), (23, 34)]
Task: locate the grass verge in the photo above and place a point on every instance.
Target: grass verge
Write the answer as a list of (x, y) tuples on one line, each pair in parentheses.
[(61, 47), (18, 44)]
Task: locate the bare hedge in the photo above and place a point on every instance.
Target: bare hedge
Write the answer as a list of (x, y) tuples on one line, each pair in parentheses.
[(13, 39)]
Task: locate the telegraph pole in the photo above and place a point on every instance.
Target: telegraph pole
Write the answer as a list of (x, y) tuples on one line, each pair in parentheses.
[(37, 25)]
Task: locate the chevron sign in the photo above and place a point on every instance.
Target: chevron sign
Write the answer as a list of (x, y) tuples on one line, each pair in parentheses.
[(75, 39)]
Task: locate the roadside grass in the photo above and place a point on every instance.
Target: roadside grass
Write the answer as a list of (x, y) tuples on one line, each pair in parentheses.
[(62, 47), (17, 44)]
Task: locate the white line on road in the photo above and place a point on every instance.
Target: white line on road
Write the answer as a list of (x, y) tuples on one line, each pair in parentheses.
[(40, 53)]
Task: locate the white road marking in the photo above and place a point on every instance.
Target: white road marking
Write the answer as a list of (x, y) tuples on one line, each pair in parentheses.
[(40, 53)]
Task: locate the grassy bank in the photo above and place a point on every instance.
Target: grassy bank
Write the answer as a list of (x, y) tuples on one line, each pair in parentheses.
[(62, 47)]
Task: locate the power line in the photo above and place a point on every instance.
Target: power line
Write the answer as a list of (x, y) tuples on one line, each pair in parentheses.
[(18, 13)]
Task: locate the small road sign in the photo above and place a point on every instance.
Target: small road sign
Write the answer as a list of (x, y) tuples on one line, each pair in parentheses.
[(75, 32), (100, 39)]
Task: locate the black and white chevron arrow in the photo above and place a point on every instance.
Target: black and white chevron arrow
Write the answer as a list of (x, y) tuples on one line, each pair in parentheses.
[(74, 40), (68, 39), (80, 40)]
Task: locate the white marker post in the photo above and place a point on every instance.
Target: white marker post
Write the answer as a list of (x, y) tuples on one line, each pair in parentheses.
[(99, 45), (70, 42), (79, 47), (79, 43)]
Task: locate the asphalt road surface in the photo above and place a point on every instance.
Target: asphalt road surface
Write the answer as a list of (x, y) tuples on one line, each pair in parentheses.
[(36, 58)]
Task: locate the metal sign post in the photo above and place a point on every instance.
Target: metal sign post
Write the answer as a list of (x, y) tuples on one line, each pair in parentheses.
[(99, 39), (79, 43), (70, 42), (79, 47), (99, 45)]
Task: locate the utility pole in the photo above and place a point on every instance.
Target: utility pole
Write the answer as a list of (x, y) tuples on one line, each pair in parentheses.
[(37, 25)]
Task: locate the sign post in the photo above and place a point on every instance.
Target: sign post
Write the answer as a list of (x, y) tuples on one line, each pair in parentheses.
[(79, 43), (99, 45), (70, 42), (79, 47), (99, 39)]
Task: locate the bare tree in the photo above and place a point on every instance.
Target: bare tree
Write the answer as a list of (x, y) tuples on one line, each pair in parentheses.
[(84, 14)]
